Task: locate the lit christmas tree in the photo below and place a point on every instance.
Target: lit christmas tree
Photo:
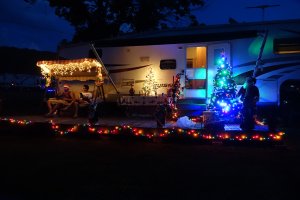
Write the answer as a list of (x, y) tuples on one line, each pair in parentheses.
[(150, 88), (223, 99), (176, 90)]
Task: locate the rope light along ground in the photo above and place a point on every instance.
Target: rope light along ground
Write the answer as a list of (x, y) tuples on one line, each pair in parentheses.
[(150, 133)]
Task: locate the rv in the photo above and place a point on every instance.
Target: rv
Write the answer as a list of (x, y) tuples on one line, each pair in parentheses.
[(193, 52)]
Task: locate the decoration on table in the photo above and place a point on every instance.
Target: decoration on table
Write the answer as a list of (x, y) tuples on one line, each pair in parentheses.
[(223, 99), (131, 90), (150, 85)]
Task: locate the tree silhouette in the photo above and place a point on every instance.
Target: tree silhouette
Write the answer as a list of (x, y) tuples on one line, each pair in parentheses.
[(97, 19)]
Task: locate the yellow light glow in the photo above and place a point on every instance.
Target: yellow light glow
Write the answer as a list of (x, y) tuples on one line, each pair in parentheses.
[(68, 67), (243, 137), (277, 137), (281, 133)]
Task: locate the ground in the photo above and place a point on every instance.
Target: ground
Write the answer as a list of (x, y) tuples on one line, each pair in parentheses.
[(54, 167), (43, 166)]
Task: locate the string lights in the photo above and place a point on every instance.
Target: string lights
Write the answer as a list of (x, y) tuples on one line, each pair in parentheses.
[(176, 90), (223, 98), (153, 133), (68, 68), (16, 121), (150, 85)]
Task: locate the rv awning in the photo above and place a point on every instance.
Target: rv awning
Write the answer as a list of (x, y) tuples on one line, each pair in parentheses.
[(77, 69)]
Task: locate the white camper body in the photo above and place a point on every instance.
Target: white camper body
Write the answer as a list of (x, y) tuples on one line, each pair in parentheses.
[(194, 53)]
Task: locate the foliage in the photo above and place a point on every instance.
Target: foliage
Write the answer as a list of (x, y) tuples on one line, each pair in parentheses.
[(23, 61), (96, 19)]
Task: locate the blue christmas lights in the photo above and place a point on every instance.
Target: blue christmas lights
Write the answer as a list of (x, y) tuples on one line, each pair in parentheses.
[(223, 98)]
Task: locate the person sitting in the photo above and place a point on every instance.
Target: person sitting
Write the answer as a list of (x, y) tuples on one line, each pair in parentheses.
[(85, 99), (62, 99)]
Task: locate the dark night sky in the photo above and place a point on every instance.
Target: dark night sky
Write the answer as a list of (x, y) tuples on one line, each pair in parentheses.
[(37, 27), (31, 26)]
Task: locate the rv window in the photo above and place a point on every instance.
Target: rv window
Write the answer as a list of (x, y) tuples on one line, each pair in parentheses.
[(168, 64), (196, 57), (286, 45), (189, 63)]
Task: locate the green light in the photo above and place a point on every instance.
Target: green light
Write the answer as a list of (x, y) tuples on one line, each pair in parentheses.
[(254, 47), (200, 73), (201, 93)]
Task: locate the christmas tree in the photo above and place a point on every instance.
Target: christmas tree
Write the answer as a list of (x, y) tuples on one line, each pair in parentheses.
[(176, 87), (223, 99), (150, 88)]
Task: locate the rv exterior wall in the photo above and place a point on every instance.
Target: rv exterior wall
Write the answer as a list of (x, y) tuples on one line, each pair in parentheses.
[(132, 63), (136, 61), (76, 51)]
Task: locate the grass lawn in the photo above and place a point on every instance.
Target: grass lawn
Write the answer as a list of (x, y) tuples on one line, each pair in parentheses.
[(49, 167)]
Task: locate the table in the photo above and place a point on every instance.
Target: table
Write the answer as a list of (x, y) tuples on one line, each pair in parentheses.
[(142, 105), (143, 100)]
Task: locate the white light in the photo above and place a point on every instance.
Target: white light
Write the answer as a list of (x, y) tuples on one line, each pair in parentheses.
[(68, 67), (223, 104)]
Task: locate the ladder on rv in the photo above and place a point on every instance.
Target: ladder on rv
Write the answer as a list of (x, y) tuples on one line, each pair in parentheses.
[(103, 67), (259, 61)]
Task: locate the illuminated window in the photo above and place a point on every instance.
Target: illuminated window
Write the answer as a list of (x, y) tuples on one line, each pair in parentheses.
[(286, 45), (196, 71), (196, 57)]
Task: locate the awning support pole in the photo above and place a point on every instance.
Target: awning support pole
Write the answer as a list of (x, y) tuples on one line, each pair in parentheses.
[(259, 61), (103, 66)]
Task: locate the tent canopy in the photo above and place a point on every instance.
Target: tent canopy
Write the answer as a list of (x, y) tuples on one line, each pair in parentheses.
[(78, 69)]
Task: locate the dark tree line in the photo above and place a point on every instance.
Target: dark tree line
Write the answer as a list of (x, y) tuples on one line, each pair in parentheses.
[(97, 19), (23, 61)]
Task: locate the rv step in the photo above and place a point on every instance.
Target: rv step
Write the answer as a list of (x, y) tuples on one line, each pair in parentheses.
[(191, 110), (191, 101)]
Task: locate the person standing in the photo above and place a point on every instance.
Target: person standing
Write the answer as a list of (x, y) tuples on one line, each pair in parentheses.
[(249, 105)]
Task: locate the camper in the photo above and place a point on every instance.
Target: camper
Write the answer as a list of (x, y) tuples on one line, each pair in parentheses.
[(193, 53)]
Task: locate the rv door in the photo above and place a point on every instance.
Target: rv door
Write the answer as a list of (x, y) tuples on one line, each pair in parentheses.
[(196, 72)]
